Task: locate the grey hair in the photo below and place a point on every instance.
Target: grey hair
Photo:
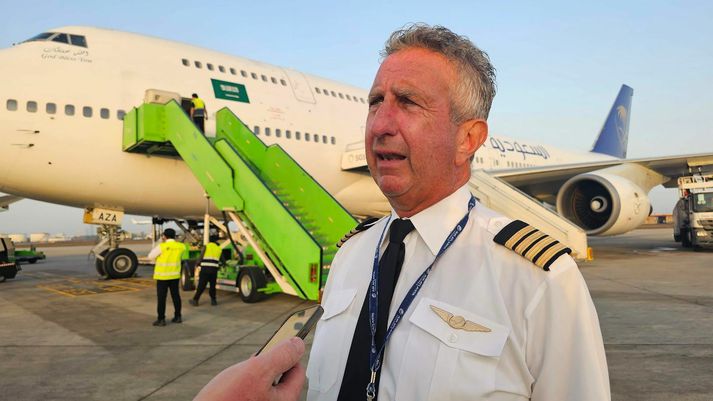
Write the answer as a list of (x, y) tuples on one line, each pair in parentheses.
[(475, 87)]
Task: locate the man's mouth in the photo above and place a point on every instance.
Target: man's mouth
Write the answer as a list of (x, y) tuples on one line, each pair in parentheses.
[(390, 156)]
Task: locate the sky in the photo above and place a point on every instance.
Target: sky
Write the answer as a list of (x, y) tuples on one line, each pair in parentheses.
[(559, 64)]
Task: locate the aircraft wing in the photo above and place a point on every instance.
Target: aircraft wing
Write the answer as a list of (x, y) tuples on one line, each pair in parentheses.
[(544, 182), (6, 200)]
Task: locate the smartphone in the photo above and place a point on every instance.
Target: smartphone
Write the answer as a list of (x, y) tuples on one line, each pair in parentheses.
[(298, 324)]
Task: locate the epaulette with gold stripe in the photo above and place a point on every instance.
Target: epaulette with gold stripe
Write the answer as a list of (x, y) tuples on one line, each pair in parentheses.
[(531, 243), (364, 225)]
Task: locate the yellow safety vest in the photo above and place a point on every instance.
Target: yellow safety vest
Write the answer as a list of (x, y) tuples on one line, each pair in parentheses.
[(198, 107), (168, 263), (211, 256)]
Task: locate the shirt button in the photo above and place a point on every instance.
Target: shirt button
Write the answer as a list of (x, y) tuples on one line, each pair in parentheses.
[(453, 338)]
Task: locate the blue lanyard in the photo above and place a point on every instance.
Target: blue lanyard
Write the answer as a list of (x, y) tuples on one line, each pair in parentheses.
[(374, 354)]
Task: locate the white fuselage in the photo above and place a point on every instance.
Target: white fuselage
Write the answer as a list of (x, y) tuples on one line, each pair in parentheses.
[(77, 160)]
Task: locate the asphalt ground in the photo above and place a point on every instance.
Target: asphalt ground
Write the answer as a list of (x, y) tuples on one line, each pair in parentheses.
[(64, 335)]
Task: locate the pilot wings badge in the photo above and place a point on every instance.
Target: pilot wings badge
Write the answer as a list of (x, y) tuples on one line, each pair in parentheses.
[(459, 322)]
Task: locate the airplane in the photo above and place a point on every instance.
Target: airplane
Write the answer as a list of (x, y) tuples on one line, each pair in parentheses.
[(65, 92)]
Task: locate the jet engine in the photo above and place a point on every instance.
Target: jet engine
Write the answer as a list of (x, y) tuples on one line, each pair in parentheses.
[(602, 203)]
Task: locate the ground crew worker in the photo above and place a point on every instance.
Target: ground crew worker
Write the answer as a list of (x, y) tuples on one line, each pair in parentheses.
[(198, 112), (167, 273), (210, 262)]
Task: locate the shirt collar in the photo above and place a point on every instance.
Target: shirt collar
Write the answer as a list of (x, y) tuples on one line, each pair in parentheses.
[(437, 221)]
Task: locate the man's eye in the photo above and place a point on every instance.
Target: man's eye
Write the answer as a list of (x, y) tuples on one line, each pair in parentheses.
[(375, 101), (406, 100)]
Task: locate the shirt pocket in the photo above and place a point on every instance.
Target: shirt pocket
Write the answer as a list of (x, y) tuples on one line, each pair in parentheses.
[(328, 351), (467, 352)]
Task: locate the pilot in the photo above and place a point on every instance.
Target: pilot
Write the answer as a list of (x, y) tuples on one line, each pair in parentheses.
[(210, 262), (198, 112), (444, 298), (478, 306), (167, 272)]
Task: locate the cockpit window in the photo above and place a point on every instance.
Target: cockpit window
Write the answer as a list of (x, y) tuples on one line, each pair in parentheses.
[(76, 40), (42, 36), (61, 38)]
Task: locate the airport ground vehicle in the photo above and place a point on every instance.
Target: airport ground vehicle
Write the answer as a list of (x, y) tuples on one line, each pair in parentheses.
[(287, 223), (31, 255), (8, 265), (693, 213)]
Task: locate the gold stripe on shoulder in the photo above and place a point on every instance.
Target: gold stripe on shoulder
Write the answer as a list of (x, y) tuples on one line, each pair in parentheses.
[(530, 243)]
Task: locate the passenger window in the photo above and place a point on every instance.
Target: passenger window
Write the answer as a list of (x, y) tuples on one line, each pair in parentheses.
[(298, 135), (341, 96), (69, 109), (264, 78), (288, 134), (307, 136), (317, 90), (185, 62), (198, 64), (11, 104), (87, 111), (334, 93), (283, 82), (233, 71), (326, 92), (334, 141), (361, 99), (78, 40), (256, 130), (252, 74), (32, 106), (120, 114), (324, 138), (316, 138), (273, 79), (348, 97), (61, 38), (209, 66), (221, 68), (51, 108), (244, 73), (267, 131), (278, 133), (104, 113)]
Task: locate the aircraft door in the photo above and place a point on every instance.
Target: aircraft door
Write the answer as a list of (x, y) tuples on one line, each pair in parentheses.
[(299, 86)]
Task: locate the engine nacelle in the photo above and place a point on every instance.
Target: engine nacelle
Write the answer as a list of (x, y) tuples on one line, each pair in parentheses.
[(602, 203)]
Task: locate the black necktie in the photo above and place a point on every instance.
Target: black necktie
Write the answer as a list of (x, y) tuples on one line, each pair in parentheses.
[(357, 372)]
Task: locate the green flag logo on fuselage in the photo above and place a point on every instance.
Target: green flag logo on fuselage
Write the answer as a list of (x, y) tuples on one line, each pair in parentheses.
[(230, 91)]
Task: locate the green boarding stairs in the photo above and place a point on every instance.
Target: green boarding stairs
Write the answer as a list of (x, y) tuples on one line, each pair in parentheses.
[(290, 221)]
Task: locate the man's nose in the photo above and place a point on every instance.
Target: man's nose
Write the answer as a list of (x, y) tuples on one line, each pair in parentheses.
[(383, 121)]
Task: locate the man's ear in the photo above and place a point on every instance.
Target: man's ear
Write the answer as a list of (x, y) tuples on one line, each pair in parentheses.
[(471, 136)]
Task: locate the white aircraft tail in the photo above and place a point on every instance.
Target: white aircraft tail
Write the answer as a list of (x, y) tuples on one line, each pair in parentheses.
[(508, 200)]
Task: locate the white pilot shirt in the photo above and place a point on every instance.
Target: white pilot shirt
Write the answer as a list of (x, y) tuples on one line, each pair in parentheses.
[(545, 343)]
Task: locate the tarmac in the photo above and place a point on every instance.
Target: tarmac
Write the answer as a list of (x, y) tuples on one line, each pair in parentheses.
[(65, 335)]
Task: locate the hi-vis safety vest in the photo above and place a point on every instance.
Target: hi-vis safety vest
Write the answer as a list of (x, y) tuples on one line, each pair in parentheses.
[(198, 107), (211, 257), (168, 263)]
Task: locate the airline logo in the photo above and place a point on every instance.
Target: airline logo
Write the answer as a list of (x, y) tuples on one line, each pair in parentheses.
[(230, 91), (621, 125)]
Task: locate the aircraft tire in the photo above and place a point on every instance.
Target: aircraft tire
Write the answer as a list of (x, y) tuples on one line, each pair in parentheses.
[(250, 279), (99, 264), (187, 273), (120, 263)]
